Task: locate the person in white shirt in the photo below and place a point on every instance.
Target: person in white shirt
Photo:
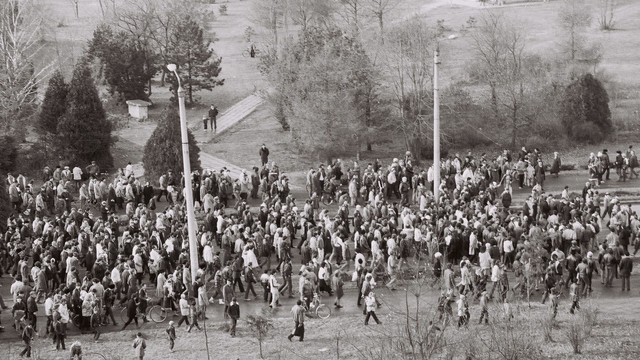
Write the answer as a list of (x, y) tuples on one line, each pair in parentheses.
[(496, 274), (48, 312), (77, 176), (507, 246), (16, 287), (275, 294)]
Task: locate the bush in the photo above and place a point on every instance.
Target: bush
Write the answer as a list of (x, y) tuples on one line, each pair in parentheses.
[(589, 313), (547, 323), (223, 9), (588, 133), (576, 336), (585, 107)]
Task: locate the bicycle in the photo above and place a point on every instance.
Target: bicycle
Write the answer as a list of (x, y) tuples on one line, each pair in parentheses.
[(321, 310), (156, 313)]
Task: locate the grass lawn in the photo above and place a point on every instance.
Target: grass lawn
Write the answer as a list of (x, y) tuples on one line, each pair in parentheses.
[(346, 337)]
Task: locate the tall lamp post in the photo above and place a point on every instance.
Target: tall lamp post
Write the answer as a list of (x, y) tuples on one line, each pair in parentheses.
[(191, 218)]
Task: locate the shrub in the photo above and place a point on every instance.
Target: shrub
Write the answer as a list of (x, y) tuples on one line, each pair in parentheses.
[(585, 107), (223, 9), (589, 313), (260, 326), (547, 323), (576, 336)]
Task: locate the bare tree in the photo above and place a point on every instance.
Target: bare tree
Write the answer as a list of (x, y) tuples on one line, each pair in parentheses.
[(606, 12), (269, 14), (353, 12), (513, 75), (22, 65), (409, 63), (311, 12), (574, 18), (380, 9)]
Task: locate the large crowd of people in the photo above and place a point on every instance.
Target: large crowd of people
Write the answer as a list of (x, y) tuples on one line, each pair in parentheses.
[(80, 244)]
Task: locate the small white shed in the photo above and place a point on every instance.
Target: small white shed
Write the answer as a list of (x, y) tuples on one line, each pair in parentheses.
[(138, 108)]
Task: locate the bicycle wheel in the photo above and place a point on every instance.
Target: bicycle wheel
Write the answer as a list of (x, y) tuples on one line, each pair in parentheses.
[(157, 314), (327, 200), (323, 311), (245, 53), (123, 315)]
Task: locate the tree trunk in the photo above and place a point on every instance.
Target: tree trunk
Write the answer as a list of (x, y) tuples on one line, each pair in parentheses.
[(381, 24)]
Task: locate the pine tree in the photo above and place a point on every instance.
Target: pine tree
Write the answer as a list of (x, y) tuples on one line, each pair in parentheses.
[(163, 150), (197, 63), (84, 134), (54, 104), (584, 111)]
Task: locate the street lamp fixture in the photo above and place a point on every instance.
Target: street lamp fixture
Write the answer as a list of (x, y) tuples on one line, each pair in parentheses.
[(191, 218)]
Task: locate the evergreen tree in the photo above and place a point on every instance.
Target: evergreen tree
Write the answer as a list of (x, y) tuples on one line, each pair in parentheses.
[(54, 104), (84, 134), (197, 63), (163, 150), (584, 111), (122, 62)]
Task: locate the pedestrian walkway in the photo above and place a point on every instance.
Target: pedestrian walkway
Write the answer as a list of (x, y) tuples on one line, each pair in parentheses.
[(226, 120)]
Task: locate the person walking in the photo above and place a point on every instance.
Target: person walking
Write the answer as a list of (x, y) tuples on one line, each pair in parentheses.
[(249, 279), (184, 310), (132, 311), (298, 318), (139, 345), (193, 315), (227, 295), (234, 315), (27, 337), (484, 314), (371, 304), (171, 334)]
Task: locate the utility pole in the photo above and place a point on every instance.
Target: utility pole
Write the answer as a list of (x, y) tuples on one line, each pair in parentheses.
[(436, 129), (191, 218)]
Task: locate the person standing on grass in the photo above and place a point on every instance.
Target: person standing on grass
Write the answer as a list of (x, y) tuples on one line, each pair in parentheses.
[(227, 295), (298, 318), (171, 334), (575, 299), (371, 304), (234, 314), (139, 345), (59, 333), (205, 120), (626, 266), (264, 154)]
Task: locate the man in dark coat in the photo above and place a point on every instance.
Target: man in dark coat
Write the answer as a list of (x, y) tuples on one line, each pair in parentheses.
[(213, 115), (234, 314), (264, 154)]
